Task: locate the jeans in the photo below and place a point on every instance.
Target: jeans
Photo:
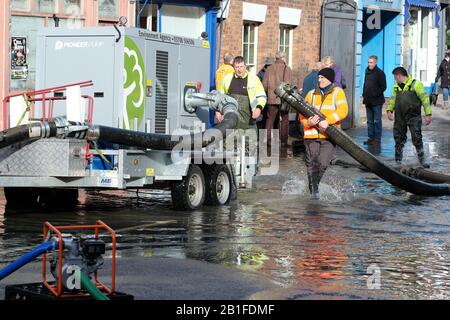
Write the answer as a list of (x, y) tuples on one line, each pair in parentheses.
[(374, 125), (445, 93)]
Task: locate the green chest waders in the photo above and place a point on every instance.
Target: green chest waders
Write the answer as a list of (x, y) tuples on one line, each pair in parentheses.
[(408, 115), (245, 122)]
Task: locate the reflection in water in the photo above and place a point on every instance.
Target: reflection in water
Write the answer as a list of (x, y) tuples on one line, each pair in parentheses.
[(276, 230)]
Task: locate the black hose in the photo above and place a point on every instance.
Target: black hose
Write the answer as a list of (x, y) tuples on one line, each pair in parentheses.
[(27, 132), (337, 135), (345, 164), (426, 175), (162, 141)]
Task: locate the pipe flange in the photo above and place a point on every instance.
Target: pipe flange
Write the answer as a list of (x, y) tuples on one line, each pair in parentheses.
[(93, 133)]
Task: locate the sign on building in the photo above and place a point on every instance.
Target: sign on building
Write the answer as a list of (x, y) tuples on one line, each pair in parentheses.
[(19, 67)]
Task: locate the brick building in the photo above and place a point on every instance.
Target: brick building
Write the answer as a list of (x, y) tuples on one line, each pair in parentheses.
[(258, 28)]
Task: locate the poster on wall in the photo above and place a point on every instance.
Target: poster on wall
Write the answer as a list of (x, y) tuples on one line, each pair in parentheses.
[(19, 67)]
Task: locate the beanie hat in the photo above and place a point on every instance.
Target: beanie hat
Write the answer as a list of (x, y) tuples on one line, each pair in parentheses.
[(400, 70), (327, 73)]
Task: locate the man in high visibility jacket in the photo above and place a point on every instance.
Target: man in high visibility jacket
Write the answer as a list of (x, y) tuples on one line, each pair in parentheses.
[(249, 92), (225, 68), (407, 99), (330, 100)]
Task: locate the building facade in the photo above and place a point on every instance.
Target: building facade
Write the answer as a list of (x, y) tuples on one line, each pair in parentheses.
[(379, 32), (21, 20), (187, 18), (257, 29), (421, 39)]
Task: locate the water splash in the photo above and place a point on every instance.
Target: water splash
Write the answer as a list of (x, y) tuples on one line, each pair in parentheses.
[(294, 187), (327, 192)]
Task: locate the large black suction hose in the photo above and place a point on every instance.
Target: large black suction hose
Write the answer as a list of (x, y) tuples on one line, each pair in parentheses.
[(337, 135), (58, 127), (61, 128), (216, 101)]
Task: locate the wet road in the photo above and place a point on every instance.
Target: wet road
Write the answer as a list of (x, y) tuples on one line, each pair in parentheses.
[(334, 248)]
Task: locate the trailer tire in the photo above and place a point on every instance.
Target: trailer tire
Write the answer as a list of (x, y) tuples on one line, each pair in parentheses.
[(41, 198), (219, 185), (189, 193), (17, 197), (58, 198)]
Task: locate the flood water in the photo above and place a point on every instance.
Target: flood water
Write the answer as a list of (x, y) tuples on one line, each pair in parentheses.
[(361, 226)]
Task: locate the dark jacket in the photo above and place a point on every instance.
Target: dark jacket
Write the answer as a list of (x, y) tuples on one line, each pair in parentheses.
[(273, 77), (310, 82), (444, 74), (261, 72), (374, 87)]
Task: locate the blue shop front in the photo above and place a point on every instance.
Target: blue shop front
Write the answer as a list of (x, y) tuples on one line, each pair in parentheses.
[(380, 34)]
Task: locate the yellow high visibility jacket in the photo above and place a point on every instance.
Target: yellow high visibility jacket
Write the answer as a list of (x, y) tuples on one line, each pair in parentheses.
[(223, 70), (333, 105), (255, 89)]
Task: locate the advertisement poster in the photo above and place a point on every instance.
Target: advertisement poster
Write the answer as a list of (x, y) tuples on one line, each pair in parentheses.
[(19, 67)]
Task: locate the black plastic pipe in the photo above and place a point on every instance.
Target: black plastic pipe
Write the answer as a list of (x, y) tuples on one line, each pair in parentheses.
[(337, 135), (161, 141), (27, 132), (426, 175)]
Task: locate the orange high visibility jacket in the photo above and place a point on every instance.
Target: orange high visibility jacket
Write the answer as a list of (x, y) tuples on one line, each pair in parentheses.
[(333, 105)]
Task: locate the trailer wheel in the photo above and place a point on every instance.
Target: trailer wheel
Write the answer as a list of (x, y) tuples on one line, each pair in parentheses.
[(41, 197), (17, 197), (218, 185), (58, 198), (189, 193)]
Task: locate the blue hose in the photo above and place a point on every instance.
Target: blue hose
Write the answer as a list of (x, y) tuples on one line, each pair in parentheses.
[(23, 260)]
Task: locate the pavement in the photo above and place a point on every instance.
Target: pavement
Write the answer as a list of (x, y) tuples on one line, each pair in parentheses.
[(167, 279)]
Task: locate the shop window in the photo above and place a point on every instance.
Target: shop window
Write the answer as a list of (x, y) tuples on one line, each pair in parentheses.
[(47, 6), (286, 35), (108, 9), (74, 22), (424, 29), (20, 5), (182, 20), (250, 44), (149, 17), (72, 7)]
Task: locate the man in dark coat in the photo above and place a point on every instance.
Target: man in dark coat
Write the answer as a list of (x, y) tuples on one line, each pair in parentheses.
[(275, 74), (373, 94), (444, 73)]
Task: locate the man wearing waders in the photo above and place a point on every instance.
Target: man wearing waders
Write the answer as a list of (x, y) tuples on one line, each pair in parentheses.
[(407, 99), (330, 100), (249, 92)]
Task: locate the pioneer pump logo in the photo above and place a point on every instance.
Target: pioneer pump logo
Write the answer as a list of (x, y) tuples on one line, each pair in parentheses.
[(133, 84), (59, 45)]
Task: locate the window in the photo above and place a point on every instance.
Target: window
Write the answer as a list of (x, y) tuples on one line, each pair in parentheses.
[(108, 9), (72, 7), (424, 28), (286, 33), (20, 5), (47, 6), (249, 44), (423, 52)]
